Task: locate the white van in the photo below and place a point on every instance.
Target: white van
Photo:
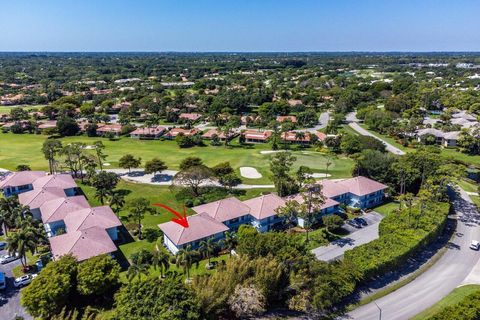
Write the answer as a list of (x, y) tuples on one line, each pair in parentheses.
[(3, 281)]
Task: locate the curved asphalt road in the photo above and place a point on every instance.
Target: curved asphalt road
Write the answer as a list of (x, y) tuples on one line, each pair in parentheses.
[(355, 126), (438, 281), (352, 120)]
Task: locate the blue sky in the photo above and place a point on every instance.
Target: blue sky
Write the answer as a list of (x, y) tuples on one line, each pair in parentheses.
[(242, 25)]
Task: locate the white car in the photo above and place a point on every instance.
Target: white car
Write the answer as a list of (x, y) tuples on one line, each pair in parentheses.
[(24, 280), (475, 245), (6, 258)]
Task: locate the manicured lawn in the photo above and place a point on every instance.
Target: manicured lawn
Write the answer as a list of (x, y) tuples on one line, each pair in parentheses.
[(476, 200), (7, 109), (136, 246), (386, 208), (453, 154), (26, 149), (347, 129), (468, 185), (453, 298)]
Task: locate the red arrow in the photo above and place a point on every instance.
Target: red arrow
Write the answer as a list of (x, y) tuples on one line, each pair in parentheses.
[(181, 220)]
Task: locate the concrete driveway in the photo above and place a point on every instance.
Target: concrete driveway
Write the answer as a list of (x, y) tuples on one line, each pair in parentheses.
[(12, 307), (337, 248), (438, 281)]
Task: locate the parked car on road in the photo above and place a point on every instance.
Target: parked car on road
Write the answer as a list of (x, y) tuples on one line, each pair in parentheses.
[(24, 280), (6, 258), (3, 245), (475, 245)]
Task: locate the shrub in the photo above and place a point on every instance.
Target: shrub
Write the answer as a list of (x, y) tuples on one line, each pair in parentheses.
[(143, 255), (152, 234)]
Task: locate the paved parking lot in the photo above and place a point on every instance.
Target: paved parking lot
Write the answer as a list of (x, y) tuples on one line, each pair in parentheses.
[(337, 248), (11, 306)]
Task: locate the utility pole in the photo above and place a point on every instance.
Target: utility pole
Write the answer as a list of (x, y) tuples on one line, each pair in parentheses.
[(379, 310)]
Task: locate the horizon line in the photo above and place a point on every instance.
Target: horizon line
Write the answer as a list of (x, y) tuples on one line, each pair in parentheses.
[(237, 52)]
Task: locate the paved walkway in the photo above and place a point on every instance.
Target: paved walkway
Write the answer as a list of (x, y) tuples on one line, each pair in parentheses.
[(440, 279), (357, 237)]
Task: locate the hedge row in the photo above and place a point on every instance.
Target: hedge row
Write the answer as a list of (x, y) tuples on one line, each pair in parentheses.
[(401, 235), (467, 309)]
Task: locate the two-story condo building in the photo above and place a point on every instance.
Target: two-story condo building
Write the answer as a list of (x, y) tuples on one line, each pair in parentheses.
[(213, 219), (73, 227)]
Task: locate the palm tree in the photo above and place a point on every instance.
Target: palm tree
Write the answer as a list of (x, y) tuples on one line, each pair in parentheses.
[(161, 259), (117, 201), (186, 257), (21, 242), (299, 135), (328, 164), (313, 200), (10, 210), (101, 194), (137, 269), (226, 131), (408, 198), (26, 222), (230, 241), (208, 248)]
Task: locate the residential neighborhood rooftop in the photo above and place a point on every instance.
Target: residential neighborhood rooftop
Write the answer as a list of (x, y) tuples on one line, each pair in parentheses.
[(83, 244), (20, 178), (200, 226), (225, 209)]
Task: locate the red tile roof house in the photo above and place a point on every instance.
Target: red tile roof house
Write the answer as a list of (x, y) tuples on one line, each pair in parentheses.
[(213, 219), (116, 108), (173, 133), (192, 117), (221, 135), (287, 118), (47, 124), (87, 231), (115, 129), (291, 137), (256, 136), (148, 133), (246, 120)]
